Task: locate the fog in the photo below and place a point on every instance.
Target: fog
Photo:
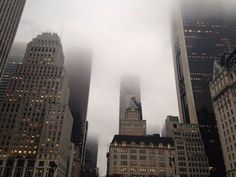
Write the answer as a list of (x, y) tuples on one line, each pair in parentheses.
[(126, 36)]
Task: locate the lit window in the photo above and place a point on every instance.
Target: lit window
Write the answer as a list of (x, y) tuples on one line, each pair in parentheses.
[(152, 171)]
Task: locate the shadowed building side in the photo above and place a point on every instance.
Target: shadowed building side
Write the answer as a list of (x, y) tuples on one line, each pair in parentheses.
[(15, 58), (223, 93), (10, 13), (79, 68), (201, 32)]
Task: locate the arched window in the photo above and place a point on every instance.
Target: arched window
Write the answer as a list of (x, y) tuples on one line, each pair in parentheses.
[(123, 143), (142, 144), (151, 145)]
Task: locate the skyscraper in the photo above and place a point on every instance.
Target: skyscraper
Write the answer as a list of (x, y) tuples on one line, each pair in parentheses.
[(79, 69), (35, 119), (129, 87), (15, 57), (10, 13), (201, 32), (223, 87), (130, 120)]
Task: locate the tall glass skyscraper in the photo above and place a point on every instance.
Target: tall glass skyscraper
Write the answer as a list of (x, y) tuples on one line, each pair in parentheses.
[(201, 32), (10, 13)]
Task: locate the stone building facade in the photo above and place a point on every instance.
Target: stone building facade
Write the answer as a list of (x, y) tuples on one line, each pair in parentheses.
[(190, 157), (141, 156), (35, 119), (223, 93)]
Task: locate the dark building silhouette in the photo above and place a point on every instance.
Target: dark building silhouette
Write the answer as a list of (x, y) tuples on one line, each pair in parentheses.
[(79, 66), (10, 13), (15, 57), (201, 31), (91, 155)]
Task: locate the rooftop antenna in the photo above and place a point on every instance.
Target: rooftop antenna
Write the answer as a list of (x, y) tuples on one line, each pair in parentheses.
[(62, 30)]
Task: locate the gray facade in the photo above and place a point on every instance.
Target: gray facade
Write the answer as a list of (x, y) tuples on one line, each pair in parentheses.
[(190, 158), (10, 13), (79, 69), (132, 124), (130, 119), (142, 156), (35, 119), (15, 58), (129, 87), (223, 93)]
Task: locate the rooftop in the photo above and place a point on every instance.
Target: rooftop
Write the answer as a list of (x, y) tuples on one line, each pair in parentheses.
[(155, 139)]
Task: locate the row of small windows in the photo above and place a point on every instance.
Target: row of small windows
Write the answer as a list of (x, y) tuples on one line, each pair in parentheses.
[(124, 143), (46, 41), (31, 70), (142, 164), (141, 170), (43, 49), (141, 151), (141, 157)]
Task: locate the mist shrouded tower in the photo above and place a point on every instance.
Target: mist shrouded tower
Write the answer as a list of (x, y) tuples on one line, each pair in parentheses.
[(79, 68), (10, 13), (130, 120), (35, 136), (201, 32)]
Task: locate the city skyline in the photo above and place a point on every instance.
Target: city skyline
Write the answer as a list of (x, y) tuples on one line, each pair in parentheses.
[(116, 46), (137, 41)]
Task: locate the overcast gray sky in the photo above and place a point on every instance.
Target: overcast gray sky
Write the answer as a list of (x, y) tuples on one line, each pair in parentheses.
[(125, 36)]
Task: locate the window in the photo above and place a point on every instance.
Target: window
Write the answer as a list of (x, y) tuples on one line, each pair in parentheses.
[(152, 151), (162, 164), (123, 143), (114, 163), (124, 150), (152, 164), (143, 164), (152, 158), (123, 163), (143, 170), (123, 169), (133, 170), (123, 156), (142, 157), (152, 170), (142, 151), (162, 172), (133, 157), (161, 158), (133, 151), (133, 163)]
